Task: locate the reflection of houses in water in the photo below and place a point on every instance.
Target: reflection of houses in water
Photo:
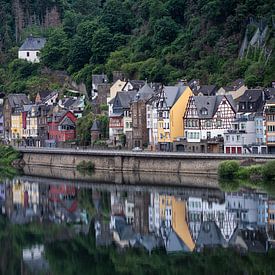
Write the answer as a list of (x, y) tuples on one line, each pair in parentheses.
[(34, 260), (250, 208), (253, 240), (130, 208), (25, 199), (178, 238), (154, 213), (200, 211), (271, 222), (210, 235), (141, 217), (224, 219), (123, 233), (117, 203), (165, 208), (63, 206), (2, 198), (103, 235)]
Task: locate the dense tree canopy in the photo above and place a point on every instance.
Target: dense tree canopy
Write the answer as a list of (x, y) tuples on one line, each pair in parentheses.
[(154, 39)]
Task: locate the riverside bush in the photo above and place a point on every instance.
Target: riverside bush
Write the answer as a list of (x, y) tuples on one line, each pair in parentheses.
[(228, 169), (268, 171)]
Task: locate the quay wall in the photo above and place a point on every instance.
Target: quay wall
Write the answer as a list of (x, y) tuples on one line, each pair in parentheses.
[(187, 163)]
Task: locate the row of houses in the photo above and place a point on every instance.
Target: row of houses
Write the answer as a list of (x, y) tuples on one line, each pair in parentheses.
[(184, 222), (192, 118), (45, 122), (189, 223)]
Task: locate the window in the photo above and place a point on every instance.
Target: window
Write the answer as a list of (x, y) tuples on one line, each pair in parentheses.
[(208, 123), (219, 123), (204, 111), (238, 138), (28, 54)]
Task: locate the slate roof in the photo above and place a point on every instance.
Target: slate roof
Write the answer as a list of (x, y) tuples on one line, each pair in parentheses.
[(124, 230), (249, 240), (210, 235), (95, 126), (44, 94), (18, 100), (206, 90), (211, 104), (47, 95), (137, 84), (175, 244), (255, 96), (126, 97), (99, 78), (173, 93), (33, 44), (144, 93), (251, 95), (234, 86)]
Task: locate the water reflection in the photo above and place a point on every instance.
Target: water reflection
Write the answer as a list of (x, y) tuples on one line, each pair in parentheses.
[(176, 220)]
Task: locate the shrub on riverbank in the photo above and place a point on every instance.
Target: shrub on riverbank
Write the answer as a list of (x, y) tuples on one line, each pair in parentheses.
[(232, 176), (7, 155), (268, 171), (228, 169)]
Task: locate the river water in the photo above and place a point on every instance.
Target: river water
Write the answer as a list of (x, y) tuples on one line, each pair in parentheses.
[(62, 226)]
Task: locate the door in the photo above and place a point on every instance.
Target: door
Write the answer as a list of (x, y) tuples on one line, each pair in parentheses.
[(233, 150)]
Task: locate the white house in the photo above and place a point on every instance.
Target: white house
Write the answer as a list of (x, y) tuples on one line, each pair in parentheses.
[(208, 117), (30, 50)]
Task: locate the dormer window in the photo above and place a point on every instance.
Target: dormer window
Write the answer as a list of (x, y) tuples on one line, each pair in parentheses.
[(204, 111)]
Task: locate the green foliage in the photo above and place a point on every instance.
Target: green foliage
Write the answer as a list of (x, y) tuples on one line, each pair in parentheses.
[(162, 41), (83, 126), (228, 169), (7, 155), (54, 54), (269, 171)]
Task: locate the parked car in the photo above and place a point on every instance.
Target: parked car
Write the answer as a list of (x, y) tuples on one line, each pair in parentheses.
[(137, 149)]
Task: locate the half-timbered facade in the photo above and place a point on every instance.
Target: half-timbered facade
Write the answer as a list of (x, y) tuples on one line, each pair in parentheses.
[(207, 117)]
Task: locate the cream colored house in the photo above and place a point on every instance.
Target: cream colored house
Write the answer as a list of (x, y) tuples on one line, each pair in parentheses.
[(116, 87), (236, 89)]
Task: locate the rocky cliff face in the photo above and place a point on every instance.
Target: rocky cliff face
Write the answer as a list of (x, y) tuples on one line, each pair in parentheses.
[(17, 15)]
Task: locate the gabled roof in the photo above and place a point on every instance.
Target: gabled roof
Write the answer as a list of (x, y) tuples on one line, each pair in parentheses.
[(252, 95), (207, 106), (173, 93), (44, 94), (95, 126), (206, 90), (124, 230), (144, 93), (67, 121), (49, 96), (235, 85), (18, 100), (136, 84), (125, 98), (210, 235), (33, 44), (175, 244), (99, 79)]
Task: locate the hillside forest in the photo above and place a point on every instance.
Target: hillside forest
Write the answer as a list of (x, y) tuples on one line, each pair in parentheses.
[(216, 41)]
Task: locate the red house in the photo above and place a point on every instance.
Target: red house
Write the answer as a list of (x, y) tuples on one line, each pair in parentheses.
[(61, 126)]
